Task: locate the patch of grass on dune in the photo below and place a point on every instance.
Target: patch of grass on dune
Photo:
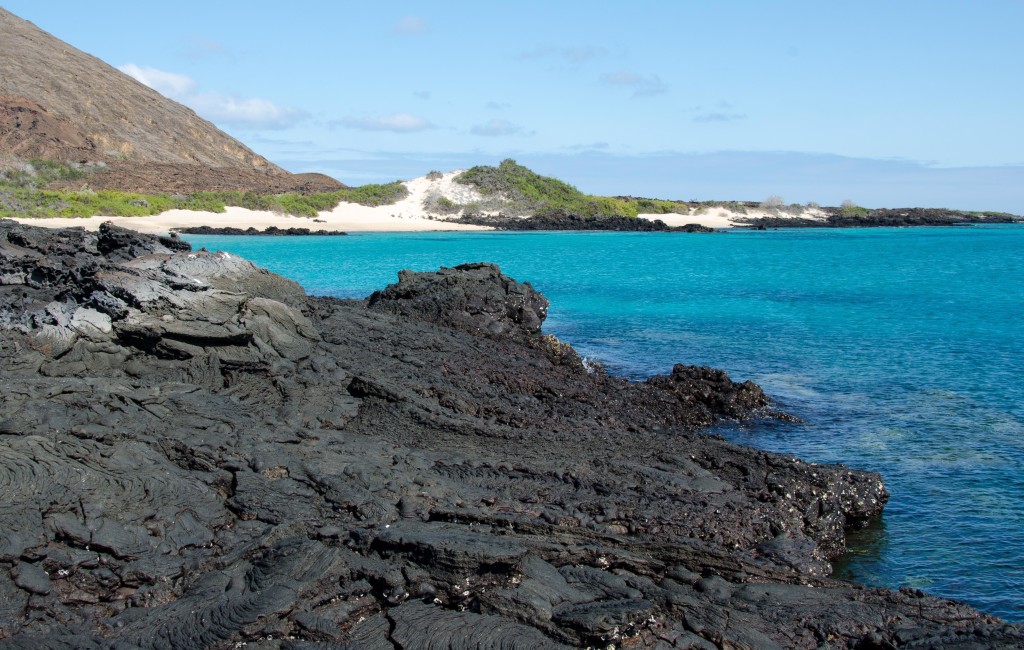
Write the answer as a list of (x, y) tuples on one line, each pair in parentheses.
[(374, 194)]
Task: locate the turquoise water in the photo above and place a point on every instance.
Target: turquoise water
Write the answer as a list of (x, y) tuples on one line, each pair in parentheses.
[(901, 349)]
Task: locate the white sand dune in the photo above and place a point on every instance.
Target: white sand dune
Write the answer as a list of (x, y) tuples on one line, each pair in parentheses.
[(723, 217), (411, 214)]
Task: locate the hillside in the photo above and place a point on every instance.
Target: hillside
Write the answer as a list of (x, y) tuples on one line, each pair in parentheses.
[(59, 103)]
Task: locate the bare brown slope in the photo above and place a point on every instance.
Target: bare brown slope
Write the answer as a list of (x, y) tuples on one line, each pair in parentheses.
[(122, 117), (27, 130), (59, 103)]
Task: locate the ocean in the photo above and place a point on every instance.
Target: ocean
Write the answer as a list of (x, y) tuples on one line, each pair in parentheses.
[(902, 350)]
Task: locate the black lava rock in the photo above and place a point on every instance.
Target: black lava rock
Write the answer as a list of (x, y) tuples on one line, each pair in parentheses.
[(195, 454)]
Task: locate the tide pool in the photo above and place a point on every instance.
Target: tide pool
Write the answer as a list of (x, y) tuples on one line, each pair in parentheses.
[(901, 349)]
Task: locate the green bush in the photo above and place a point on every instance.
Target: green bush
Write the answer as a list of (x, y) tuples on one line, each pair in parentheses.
[(526, 192), (660, 206), (22, 195), (38, 173), (850, 209), (374, 195)]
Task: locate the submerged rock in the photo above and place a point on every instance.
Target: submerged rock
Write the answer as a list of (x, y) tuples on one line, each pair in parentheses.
[(195, 454)]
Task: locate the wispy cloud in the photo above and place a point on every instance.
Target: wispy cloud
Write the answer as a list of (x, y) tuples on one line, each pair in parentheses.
[(251, 112), (411, 25), (396, 123), (593, 146), (643, 86), (581, 54), (720, 117), (198, 48), (497, 106), (574, 55), (423, 94), (496, 128)]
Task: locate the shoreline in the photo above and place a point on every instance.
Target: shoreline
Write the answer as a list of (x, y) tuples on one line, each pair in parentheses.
[(421, 210), (352, 218), (346, 217)]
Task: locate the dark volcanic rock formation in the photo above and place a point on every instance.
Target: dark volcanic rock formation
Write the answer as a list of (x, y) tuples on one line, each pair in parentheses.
[(899, 217), (476, 298), (269, 231), (563, 220), (193, 453)]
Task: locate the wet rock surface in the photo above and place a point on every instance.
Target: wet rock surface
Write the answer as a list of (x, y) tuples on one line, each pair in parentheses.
[(194, 454)]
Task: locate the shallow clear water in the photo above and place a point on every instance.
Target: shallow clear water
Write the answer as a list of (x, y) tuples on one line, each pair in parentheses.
[(901, 349)]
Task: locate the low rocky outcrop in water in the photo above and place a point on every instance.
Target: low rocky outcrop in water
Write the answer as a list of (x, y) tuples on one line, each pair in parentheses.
[(196, 454), (562, 220), (886, 217), (271, 231)]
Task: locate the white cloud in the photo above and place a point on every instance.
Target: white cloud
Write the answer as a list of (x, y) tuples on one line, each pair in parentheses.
[(251, 112), (495, 128), (171, 84), (396, 123), (411, 25), (642, 86)]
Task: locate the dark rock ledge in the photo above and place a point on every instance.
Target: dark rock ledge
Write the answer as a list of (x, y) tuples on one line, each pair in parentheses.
[(195, 454), (269, 231)]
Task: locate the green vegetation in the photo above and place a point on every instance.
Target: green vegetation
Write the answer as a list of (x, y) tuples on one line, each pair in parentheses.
[(850, 209), (739, 207), (373, 195), (22, 195), (35, 174), (522, 191), (660, 206)]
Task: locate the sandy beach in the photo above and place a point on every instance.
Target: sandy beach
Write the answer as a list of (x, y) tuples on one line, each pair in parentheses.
[(407, 215)]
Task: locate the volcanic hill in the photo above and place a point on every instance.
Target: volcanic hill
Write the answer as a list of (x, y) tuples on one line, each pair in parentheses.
[(59, 103)]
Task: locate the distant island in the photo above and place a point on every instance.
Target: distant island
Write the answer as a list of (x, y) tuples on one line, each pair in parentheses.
[(504, 197)]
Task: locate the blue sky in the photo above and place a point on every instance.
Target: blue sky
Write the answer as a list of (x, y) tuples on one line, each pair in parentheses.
[(888, 104)]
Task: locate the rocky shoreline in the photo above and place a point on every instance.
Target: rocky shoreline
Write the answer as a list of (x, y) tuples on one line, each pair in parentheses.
[(198, 455), (885, 218), (562, 220), (269, 231), (834, 218)]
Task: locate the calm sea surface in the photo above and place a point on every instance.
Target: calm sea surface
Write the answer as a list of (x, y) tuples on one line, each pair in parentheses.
[(901, 349)]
